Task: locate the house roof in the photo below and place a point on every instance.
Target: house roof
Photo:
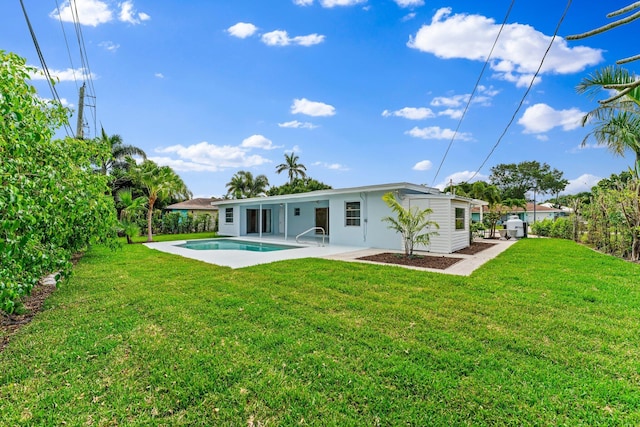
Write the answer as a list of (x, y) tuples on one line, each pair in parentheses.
[(539, 208), (203, 203), (405, 187)]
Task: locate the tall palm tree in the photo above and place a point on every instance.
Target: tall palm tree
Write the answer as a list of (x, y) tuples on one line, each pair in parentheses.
[(158, 182), (118, 153), (244, 185), (617, 120), (293, 168), (235, 187)]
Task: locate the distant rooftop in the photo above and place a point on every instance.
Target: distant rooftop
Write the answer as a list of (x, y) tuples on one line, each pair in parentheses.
[(202, 203)]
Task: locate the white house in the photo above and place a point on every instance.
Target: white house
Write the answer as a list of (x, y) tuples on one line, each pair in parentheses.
[(348, 217)]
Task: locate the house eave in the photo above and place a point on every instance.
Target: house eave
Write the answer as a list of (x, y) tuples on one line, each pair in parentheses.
[(405, 187)]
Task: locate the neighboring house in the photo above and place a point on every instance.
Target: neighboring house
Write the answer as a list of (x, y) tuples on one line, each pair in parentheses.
[(196, 206), (542, 212), (349, 216)]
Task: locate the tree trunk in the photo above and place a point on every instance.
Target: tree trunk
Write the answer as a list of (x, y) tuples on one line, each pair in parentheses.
[(152, 200)]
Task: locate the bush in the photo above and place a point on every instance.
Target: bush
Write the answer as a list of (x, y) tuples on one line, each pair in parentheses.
[(562, 228), (542, 228), (52, 205)]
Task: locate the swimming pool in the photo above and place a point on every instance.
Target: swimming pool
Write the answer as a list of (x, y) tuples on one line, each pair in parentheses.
[(235, 245)]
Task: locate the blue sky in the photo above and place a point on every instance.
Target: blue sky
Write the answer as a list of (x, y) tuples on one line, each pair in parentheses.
[(364, 91)]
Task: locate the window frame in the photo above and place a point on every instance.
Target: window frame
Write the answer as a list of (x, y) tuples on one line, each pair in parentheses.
[(227, 219), (351, 220), (296, 211), (457, 219)]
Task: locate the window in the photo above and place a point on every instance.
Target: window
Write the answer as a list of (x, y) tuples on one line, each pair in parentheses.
[(296, 211), (228, 215), (352, 214), (460, 218)]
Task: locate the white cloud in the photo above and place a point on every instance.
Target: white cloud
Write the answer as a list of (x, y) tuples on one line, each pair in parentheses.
[(130, 15), (109, 45), (436, 132), (309, 40), (281, 38), (582, 183), (333, 3), (408, 17), (203, 157), (460, 177), (424, 165), (297, 125), (483, 96), (410, 113), (159, 75), (242, 30), (96, 12), (312, 108), (517, 55), (409, 3), (303, 2), (331, 166), (67, 75), (258, 141), (453, 113), (540, 118), (90, 12)]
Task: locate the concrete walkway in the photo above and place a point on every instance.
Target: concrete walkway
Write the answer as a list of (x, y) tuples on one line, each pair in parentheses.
[(465, 267), (240, 259)]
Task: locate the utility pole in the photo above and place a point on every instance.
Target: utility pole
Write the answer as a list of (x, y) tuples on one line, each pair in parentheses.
[(80, 125)]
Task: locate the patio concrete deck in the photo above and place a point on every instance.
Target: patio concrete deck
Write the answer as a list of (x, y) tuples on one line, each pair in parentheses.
[(240, 259)]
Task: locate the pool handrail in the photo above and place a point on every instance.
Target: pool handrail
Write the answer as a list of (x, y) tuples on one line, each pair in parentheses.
[(309, 230)]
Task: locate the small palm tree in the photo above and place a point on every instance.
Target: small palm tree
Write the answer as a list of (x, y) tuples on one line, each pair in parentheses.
[(158, 182), (293, 168), (130, 207), (410, 223)]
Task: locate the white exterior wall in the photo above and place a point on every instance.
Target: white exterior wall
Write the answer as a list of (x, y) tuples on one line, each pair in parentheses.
[(540, 216), (232, 229), (372, 231), (459, 238), (307, 218), (448, 238), (441, 215)]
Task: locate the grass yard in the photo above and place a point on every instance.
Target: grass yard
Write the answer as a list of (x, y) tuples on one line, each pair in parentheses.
[(545, 334)]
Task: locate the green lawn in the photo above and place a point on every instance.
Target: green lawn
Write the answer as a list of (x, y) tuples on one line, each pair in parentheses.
[(546, 334)]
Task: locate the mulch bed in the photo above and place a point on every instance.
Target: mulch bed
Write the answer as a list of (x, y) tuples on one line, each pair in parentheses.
[(427, 261), (475, 248), (32, 304)]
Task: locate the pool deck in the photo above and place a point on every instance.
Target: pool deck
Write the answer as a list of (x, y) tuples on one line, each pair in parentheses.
[(240, 259)]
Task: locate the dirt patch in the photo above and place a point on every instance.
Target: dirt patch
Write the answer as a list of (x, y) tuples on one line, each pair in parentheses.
[(427, 261), (475, 248), (32, 304)]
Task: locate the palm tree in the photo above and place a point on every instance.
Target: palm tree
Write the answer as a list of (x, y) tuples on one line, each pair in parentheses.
[(293, 168), (410, 223), (617, 120), (118, 153), (158, 182), (244, 185), (130, 207)]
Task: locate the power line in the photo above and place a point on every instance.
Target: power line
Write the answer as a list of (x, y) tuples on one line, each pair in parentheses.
[(475, 88), (533, 79), (43, 63)]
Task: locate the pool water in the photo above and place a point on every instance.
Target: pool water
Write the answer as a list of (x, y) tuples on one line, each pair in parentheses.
[(235, 245)]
